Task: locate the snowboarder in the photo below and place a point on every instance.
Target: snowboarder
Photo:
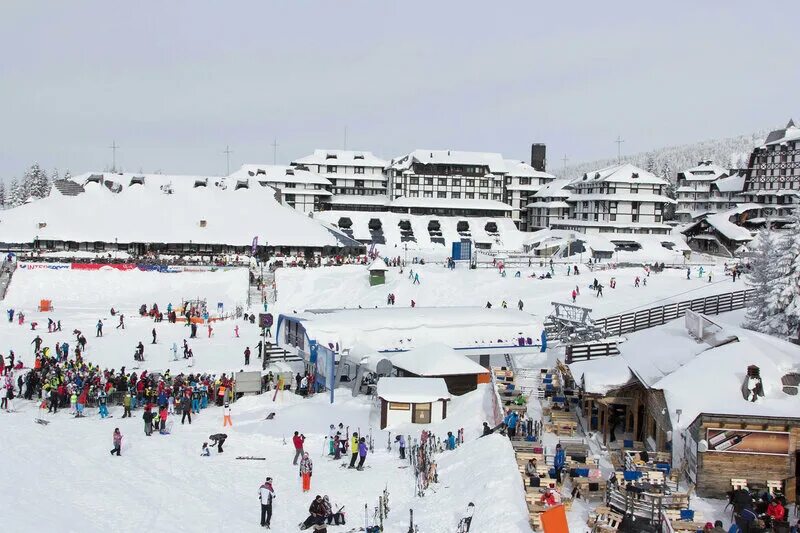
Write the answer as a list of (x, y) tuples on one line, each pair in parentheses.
[(121, 322), (298, 441), (466, 522), (218, 439), (247, 356), (306, 469), (117, 439), (99, 328), (265, 495), (226, 415)]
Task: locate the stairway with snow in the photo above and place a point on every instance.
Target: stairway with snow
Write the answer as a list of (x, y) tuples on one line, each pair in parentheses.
[(68, 187)]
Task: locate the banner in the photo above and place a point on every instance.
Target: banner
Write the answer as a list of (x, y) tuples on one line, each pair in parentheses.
[(41, 266), (145, 267), (747, 441), (255, 245)]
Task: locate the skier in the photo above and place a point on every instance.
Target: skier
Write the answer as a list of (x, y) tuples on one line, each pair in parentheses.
[(574, 295), (362, 453), (265, 495), (154, 336), (117, 439), (451, 441), (186, 407), (298, 441), (520, 305), (488, 305), (126, 405), (260, 347), (102, 407), (210, 330), (37, 343), (99, 328), (466, 522), (416, 278), (148, 417), (353, 450), (401, 441), (218, 439), (226, 415), (504, 304), (121, 322), (688, 273), (246, 356), (174, 351), (306, 468), (636, 282)]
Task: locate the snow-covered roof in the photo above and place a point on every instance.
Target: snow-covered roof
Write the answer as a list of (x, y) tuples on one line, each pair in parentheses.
[(570, 222), (412, 390), (622, 173), (279, 174), (357, 199), (668, 358), (402, 328), (787, 134), (554, 189), (731, 183), (451, 203), (350, 158), (522, 169), (378, 265), (704, 171), (493, 161), (202, 210), (548, 205), (436, 359), (721, 222)]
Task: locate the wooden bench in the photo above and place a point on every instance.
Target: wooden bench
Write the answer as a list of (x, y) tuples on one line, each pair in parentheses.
[(582, 484)]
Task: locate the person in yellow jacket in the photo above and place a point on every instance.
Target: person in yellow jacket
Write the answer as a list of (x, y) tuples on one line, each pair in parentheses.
[(353, 450)]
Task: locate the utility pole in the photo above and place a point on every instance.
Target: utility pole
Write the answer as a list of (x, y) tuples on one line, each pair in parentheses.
[(114, 147), (619, 142), (228, 153), (565, 163), (275, 151), (345, 137)]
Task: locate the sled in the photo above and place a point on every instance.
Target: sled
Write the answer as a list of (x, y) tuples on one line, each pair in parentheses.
[(270, 416), (41, 421), (251, 458)]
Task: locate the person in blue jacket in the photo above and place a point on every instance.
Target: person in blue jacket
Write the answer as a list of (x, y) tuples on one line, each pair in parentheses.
[(558, 461), (451, 441), (511, 423)]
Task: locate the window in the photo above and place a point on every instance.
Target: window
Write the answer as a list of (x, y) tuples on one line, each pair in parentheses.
[(634, 189), (394, 406), (441, 194), (413, 181), (358, 170), (359, 183), (291, 185), (413, 194), (331, 169), (524, 181), (484, 183), (470, 183), (483, 196), (495, 197), (398, 185), (469, 196), (612, 217), (456, 182), (442, 181), (422, 413), (428, 181), (427, 194), (455, 195)]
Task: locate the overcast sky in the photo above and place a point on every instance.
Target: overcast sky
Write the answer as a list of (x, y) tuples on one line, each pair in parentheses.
[(174, 82)]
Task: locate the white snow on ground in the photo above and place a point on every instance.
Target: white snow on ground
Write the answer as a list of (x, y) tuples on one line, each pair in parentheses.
[(348, 286)]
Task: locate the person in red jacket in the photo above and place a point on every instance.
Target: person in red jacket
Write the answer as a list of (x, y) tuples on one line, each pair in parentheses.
[(298, 441), (775, 510), (82, 399)]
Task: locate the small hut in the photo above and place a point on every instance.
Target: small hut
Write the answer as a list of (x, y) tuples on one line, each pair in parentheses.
[(412, 400), (377, 272)]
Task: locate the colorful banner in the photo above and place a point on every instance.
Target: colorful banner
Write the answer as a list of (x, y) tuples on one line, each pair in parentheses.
[(124, 267), (747, 441), (103, 266), (40, 266)]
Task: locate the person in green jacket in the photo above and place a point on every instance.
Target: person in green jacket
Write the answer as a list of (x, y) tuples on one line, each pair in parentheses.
[(126, 405)]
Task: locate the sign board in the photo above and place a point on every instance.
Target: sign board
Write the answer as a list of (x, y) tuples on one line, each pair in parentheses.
[(265, 320), (747, 441), (325, 368), (462, 251), (248, 382)]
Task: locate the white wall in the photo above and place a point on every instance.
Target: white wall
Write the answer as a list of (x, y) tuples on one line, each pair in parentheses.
[(395, 417)]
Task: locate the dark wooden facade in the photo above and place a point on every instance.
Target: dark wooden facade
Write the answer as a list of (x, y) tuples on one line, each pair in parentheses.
[(456, 384)]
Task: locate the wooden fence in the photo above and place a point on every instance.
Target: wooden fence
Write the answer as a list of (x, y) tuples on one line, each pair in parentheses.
[(656, 316), (585, 352)]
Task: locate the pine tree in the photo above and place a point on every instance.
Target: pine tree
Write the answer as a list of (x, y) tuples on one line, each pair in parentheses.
[(762, 276), (651, 164), (783, 298), (15, 193)]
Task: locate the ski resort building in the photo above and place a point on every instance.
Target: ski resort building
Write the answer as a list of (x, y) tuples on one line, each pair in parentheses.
[(522, 181), (618, 199), (723, 233), (656, 395), (773, 174), (548, 204), (153, 213), (350, 172), (707, 188), (437, 360), (303, 190), (412, 400)]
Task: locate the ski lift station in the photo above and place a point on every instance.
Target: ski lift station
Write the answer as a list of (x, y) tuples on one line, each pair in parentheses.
[(474, 336)]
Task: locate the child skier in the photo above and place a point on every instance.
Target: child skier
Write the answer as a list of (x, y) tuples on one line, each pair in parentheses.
[(306, 468), (117, 439), (226, 416)]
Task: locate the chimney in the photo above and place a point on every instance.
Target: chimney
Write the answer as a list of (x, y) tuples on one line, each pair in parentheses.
[(539, 157)]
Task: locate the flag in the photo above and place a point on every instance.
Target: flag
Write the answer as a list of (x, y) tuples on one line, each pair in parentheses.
[(255, 245)]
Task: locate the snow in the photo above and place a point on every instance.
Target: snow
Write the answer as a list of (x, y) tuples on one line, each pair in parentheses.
[(280, 174), (350, 158), (358, 199), (435, 359), (493, 161), (705, 171), (176, 217), (721, 222), (515, 168), (554, 189), (377, 265), (731, 183), (623, 173), (401, 328), (412, 390), (791, 133)]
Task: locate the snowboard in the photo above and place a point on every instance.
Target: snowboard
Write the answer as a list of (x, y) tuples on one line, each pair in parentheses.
[(270, 416), (41, 421)]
